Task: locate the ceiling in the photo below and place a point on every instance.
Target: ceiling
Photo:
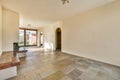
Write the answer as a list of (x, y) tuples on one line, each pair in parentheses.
[(43, 12)]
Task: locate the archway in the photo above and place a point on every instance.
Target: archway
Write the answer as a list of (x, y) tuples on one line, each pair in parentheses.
[(58, 39)]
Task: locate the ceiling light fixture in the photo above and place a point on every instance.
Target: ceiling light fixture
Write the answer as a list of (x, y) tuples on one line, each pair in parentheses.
[(65, 1)]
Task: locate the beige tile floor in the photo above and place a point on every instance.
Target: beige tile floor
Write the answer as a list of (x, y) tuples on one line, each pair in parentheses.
[(55, 65)]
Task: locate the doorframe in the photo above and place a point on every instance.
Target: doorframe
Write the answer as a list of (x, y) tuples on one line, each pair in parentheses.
[(56, 35)]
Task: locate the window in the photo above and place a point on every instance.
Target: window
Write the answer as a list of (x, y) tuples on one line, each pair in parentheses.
[(31, 37), (21, 37), (27, 37)]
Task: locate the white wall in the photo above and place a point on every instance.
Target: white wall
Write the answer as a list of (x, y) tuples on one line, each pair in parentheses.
[(10, 29), (0, 29), (49, 35), (94, 34), (41, 29)]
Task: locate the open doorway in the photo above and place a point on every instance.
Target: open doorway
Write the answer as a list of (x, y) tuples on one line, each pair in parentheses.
[(41, 39), (58, 39)]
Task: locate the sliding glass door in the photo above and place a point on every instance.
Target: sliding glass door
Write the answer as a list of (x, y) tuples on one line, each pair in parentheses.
[(21, 37), (27, 37), (31, 37)]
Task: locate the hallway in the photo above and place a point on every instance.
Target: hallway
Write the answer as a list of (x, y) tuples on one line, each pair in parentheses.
[(55, 65)]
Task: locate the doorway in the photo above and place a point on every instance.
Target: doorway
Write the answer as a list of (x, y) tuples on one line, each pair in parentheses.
[(41, 39), (58, 39)]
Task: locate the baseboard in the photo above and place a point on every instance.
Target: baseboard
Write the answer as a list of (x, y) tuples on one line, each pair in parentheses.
[(6, 51), (80, 55)]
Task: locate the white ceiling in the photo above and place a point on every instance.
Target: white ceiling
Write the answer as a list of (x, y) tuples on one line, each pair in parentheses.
[(42, 12)]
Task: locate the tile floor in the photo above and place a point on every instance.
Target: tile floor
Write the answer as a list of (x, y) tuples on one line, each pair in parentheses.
[(55, 65)]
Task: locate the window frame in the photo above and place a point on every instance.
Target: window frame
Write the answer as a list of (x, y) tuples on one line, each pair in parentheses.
[(25, 36)]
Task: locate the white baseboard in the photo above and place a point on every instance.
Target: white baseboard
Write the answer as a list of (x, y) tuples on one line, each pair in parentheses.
[(90, 57)]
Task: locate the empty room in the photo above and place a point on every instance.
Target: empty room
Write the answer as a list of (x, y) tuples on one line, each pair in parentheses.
[(59, 39)]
